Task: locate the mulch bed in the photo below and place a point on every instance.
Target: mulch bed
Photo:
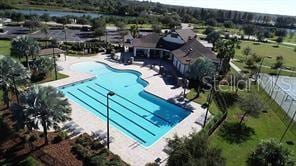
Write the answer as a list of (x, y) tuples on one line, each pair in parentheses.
[(14, 149)]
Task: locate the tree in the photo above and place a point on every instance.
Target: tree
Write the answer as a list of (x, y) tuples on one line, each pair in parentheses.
[(24, 46), (122, 31), (99, 32), (45, 30), (271, 153), (250, 105), (279, 40), (228, 24), (226, 51), (247, 51), (46, 106), (213, 37), (193, 150), (279, 62), (249, 30), (201, 70), (33, 23), (12, 75), (156, 28), (134, 30), (41, 67), (208, 30)]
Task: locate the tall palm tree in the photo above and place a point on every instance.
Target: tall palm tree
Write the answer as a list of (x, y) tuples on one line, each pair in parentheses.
[(12, 74), (226, 51), (24, 46), (47, 107)]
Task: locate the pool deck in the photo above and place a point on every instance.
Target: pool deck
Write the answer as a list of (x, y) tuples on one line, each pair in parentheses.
[(129, 150)]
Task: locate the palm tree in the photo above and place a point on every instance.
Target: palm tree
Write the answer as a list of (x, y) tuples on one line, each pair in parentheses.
[(45, 30), (201, 70), (134, 30), (12, 74), (251, 105), (46, 106), (122, 31), (226, 51), (272, 153), (24, 46)]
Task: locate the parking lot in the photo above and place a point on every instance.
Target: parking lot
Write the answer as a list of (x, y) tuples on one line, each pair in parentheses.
[(73, 35)]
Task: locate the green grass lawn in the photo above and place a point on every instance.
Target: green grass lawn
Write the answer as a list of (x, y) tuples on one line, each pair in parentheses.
[(267, 125), (264, 49), (5, 47), (203, 99), (51, 77)]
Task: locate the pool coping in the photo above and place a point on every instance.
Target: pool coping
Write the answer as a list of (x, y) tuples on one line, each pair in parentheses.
[(126, 147)]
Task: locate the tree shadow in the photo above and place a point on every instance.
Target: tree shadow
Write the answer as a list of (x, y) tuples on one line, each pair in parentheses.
[(234, 132)]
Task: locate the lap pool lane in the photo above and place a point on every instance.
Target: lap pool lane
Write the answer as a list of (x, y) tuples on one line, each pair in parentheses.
[(138, 114)]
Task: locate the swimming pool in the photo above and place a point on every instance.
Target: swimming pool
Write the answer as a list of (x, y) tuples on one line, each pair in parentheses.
[(138, 114)]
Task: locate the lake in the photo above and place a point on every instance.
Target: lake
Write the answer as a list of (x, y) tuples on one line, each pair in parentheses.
[(53, 13)]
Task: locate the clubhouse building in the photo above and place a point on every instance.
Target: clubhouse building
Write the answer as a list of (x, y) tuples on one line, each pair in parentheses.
[(182, 47)]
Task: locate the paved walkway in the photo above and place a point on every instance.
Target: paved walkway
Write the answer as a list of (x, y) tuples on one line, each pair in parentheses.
[(128, 149)]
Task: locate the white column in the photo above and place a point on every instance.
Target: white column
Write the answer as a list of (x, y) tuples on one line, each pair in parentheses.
[(135, 51)]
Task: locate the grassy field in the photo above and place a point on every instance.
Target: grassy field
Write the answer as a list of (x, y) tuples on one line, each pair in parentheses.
[(51, 77), (5, 47), (267, 125), (264, 69), (263, 49)]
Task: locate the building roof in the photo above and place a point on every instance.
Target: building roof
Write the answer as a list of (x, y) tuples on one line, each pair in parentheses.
[(186, 34), (148, 41), (192, 50), (49, 51)]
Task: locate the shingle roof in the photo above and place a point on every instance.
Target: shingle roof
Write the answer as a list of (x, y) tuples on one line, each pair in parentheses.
[(186, 34), (192, 50), (148, 41)]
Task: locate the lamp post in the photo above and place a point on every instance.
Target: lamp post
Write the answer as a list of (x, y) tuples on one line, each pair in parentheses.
[(109, 94), (261, 66)]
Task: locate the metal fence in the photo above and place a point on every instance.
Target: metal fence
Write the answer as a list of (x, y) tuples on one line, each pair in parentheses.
[(282, 91)]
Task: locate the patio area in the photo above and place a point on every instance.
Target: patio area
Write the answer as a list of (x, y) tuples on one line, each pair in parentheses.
[(128, 149)]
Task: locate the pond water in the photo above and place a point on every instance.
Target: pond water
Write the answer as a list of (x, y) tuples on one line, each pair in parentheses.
[(53, 13)]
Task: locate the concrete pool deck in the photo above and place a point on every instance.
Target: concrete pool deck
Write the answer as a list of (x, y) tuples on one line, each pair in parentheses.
[(128, 149)]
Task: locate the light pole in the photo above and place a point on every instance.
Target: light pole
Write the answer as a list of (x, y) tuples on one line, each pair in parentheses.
[(261, 66), (109, 94)]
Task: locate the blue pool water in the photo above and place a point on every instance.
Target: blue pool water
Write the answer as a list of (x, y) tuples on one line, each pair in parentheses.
[(138, 114)]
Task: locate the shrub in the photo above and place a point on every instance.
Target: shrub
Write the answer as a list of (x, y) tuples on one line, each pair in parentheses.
[(33, 137), (80, 151), (84, 140), (115, 161), (235, 132), (29, 161), (60, 137), (97, 145), (97, 160)]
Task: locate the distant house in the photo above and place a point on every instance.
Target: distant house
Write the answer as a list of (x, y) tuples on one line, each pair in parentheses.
[(181, 47)]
